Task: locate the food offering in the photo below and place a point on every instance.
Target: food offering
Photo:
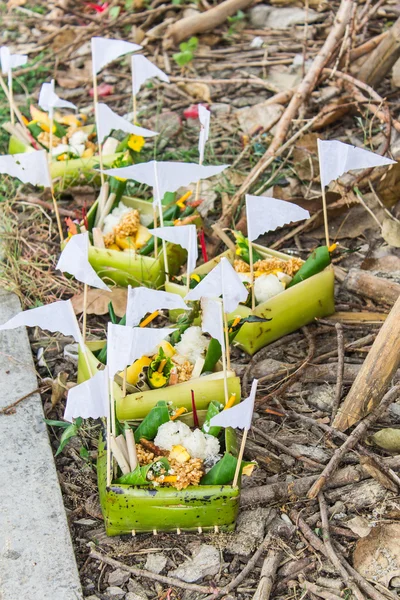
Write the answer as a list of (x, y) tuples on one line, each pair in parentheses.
[(289, 292)]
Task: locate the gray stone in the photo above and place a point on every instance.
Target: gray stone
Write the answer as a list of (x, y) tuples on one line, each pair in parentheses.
[(205, 562), (155, 563), (132, 596), (118, 577), (36, 555), (285, 17), (259, 15), (136, 588), (249, 532), (115, 593)]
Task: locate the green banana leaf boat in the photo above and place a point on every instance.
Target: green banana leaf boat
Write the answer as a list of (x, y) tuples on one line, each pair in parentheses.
[(129, 509), (297, 306)]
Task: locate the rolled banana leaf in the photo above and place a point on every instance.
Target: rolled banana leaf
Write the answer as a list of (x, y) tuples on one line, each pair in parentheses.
[(297, 306), (66, 171), (153, 420), (136, 406), (139, 475), (128, 508)]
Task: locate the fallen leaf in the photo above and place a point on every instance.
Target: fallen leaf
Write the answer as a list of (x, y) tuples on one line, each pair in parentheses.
[(58, 388), (98, 300), (377, 556), (332, 112), (63, 38), (198, 91), (360, 526), (12, 3), (259, 116), (372, 468), (388, 439), (391, 232), (305, 157), (388, 188)]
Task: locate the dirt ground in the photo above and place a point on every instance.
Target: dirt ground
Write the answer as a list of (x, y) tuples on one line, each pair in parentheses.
[(288, 543)]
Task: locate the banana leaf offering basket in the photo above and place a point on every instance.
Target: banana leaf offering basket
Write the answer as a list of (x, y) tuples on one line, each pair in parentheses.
[(286, 312), (131, 509)]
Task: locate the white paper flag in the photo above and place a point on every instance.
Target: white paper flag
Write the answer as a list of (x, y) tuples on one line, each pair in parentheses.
[(204, 118), (107, 120), (88, 399), (58, 316), (166, 176), (211, 319), (105, 50), (143, 300), (48, 99), (222, 280), (183, 235), (30, 167), (74, 260), (336, 158), (11, 61), (142, 70), (267, 214), (126, 344), (240, 415)]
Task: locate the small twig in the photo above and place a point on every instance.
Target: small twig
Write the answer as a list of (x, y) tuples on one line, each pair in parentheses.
[(318, 545), (340, 370), (318, 590), (268, 573), (352, 441), (273, 442), (202, 589), (331, 552), (8, 410)]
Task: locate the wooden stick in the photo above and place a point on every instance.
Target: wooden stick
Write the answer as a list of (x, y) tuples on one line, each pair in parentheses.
[(11, 97), (160, 212), (185, 28), (223, 237), (130, 442), (224, 364), (85, 302), (375, 374), (268, 573), (239, 460), (109, 383), (58, 218), (253, 297), (155, 237), (124, 376), (227, 347), (14, 107), (99, 142), (134, 95), (119, 457), (325, 212)]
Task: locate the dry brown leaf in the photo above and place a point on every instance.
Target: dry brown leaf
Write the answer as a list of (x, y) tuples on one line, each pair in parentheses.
[(332, 112), (359, 525), (377, 556), (58, 388), (63, 38), (13, 3), (388, 188), (372, 468), (198, 91), (305, 157), (98, 301)]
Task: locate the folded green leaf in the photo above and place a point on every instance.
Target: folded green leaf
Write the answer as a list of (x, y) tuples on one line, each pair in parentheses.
[(223, 472), (213, 355), (140, 476), (155, 418), (315, 263), (214, 408)]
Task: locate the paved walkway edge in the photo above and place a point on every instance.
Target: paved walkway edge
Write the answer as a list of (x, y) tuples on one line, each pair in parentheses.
[(37, 560)]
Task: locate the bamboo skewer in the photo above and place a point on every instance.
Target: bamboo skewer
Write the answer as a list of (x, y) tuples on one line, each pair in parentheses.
[(11, 99), (99, 142), (224, 363), (253, 298), (227, 348), (240, 457)]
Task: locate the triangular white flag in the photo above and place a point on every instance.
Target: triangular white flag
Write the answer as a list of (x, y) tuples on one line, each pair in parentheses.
[(267, 214), (29, 167), (105, 50), (48, 99), (142, 70), (58, 316), (74, 260), (222, 280), (336, 158), (166, 176), (11, 61), (240, 415), (143, 300), (183, 235), (107, 120), (88, 399), (211, 319), (126, 344), (204, 118)]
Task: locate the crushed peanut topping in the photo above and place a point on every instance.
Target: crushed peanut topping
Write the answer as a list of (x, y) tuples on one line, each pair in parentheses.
[(109, 239), (145, 456), (240, 266), (269, 265), (128, 225), (184, 370), (188, 473), (44, 139)]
